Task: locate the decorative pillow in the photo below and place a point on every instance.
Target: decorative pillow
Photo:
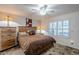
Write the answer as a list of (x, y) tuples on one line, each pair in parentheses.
[(32, 31)]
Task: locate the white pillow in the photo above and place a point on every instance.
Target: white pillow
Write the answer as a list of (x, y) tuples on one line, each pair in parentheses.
[(23, 33)]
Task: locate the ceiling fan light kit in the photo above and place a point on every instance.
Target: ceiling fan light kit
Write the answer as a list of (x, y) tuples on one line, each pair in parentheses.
[(43, 10)]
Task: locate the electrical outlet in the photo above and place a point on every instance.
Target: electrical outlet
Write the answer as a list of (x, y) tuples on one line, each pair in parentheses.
[(72, 42)]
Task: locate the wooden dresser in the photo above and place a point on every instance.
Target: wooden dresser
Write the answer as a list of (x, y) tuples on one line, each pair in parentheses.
[(7, 37)]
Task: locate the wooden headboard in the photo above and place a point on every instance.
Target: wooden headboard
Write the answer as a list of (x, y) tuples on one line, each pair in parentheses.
[(22, 29), (26, 29)]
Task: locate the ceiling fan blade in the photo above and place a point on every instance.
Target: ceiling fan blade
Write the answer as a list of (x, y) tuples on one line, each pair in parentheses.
[(50, 12)]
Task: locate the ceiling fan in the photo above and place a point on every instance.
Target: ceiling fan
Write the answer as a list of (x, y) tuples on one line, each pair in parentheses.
[(43, 10)]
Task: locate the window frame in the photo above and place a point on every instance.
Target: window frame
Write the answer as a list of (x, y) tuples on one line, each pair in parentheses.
[(57, 30)]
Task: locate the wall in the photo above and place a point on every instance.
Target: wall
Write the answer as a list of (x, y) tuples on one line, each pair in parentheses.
[(74, 29), (20, 21)]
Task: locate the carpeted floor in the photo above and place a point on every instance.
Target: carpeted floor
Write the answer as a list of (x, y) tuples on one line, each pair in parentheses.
[(57, 50)]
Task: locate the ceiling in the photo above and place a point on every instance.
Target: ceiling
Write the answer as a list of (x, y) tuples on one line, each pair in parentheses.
[(27, 10)]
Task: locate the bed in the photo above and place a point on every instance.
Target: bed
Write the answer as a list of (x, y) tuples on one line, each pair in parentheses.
[(35, 44)]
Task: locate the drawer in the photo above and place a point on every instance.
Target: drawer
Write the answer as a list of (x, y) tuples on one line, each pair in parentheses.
[(8, 38), (7, 43), (8, 34), (8, 30)]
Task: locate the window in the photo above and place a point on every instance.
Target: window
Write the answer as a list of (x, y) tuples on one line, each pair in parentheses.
[(66, 28), (59, 28), (54, 25)]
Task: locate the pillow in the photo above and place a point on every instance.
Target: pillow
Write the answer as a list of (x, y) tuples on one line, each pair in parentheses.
[(23, 33), (32, 33)]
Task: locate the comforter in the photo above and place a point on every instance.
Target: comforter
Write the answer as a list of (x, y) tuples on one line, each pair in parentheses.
[(35, 44)]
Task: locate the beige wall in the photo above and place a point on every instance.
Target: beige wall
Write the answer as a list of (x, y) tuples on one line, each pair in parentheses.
[(74, 29), (15, 20)]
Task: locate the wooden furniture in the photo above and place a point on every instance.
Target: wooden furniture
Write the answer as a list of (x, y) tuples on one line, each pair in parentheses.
[(28, 30), (7, 37)]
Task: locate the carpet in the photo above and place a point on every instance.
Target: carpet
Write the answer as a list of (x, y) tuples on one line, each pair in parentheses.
[(57, 50)]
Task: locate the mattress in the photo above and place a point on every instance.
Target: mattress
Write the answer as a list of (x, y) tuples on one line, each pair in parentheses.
[(35, 44)]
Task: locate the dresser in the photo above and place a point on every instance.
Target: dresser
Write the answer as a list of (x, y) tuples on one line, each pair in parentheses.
[(7, 37)]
